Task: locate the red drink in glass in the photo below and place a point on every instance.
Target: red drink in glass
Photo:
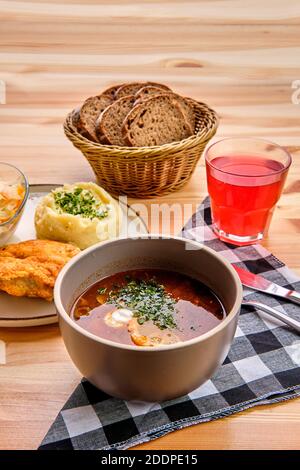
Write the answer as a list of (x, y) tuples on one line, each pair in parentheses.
[(244, 187)]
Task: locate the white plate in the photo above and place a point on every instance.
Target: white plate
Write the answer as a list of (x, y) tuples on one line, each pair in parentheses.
[(22, 311)]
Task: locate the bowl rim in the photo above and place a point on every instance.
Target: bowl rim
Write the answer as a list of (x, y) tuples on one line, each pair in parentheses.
[(180, 345), (26, 184)]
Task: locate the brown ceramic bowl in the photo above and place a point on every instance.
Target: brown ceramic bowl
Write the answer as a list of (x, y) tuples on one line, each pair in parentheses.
[(145, 373)]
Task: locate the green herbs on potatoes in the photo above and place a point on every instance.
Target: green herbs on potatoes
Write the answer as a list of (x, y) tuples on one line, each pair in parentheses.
[(81, 213), (81, 202)]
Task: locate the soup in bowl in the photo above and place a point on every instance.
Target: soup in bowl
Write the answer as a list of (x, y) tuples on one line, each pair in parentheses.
[(150, 318), (148, 307)]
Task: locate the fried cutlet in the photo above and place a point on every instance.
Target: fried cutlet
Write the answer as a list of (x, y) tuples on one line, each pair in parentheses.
[(30, 268)]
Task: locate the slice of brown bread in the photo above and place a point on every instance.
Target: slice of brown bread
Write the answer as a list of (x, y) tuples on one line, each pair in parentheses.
[(133, 88), (187, 109), (156, 121), (75, 118), (147, 91), (111, 91), (102, 139), (110, 121), (89, 113), (185, 103), (77, 124)]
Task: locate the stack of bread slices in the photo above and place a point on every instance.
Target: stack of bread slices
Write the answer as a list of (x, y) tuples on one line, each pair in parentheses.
[(136, 115)]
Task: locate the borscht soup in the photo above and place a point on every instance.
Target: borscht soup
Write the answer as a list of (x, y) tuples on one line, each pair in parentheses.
[(148, 307)]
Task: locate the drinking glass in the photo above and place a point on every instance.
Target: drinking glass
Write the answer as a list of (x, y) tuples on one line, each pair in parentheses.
[(245, 178)]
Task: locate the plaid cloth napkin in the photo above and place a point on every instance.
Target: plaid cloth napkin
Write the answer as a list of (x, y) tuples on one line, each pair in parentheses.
[(262, 367)]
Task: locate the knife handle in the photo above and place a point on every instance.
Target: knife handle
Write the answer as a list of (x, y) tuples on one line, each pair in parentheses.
[(294, 296)]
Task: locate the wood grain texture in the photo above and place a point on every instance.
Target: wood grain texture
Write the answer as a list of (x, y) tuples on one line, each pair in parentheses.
[(240, 57)]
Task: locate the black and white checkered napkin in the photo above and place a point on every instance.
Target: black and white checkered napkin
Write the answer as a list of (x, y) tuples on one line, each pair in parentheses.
[(262, 367)]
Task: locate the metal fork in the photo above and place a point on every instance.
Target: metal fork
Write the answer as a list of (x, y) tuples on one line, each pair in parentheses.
[(274, 313)]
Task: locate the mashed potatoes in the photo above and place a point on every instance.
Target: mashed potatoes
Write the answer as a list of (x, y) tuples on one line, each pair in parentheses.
[(81, 213)]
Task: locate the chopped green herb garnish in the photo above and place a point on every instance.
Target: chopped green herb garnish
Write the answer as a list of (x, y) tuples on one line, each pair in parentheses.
[(81, 202), (148, 300), (101, 290)]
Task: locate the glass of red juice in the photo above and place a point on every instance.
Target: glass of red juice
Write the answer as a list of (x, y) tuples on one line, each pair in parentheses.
[(245, 178)]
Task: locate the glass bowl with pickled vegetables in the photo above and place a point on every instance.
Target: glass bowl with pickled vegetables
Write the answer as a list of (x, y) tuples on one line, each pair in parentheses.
[(14, 190)]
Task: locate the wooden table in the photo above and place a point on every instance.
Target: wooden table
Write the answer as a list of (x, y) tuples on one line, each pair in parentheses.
[(240, 57)]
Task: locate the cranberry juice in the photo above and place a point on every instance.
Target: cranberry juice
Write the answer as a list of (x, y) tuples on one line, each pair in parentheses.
[(244, 190)]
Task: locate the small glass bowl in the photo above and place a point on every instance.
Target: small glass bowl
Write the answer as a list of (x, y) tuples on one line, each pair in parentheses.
[(11, 175)]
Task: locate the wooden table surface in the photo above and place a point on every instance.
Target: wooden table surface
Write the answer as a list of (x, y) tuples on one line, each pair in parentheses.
[(241, 57)]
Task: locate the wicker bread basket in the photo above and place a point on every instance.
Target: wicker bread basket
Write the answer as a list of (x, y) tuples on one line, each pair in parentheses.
[(146, 172)]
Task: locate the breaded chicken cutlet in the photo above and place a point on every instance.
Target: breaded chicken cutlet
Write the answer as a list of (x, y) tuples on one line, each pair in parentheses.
[(30, 268)]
